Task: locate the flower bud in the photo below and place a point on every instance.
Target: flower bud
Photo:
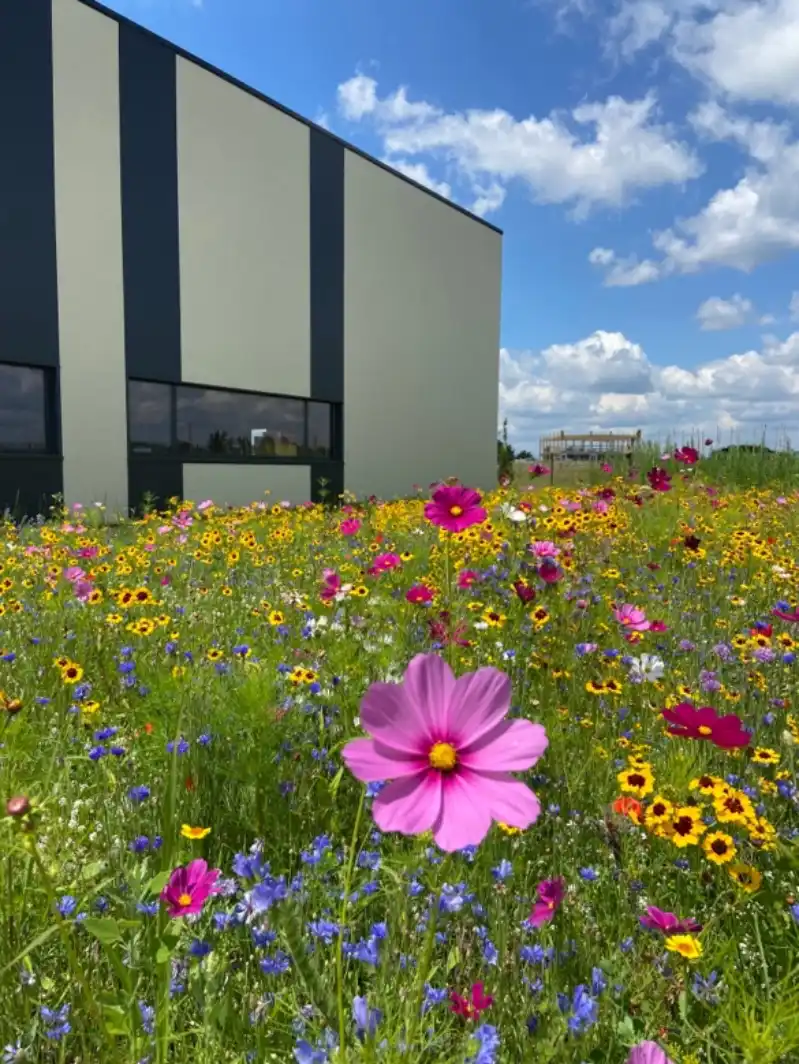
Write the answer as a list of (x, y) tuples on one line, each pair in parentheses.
[(18, 805)]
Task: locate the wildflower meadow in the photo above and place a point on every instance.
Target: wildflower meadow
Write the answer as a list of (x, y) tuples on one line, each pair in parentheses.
[(455, 779)]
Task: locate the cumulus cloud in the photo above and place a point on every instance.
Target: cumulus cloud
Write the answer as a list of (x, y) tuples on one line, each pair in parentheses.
[(601, 154), (716, 314), (754, 221), (606, 382)]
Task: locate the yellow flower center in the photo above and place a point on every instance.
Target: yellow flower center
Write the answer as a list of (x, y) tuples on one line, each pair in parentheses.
[(443, 756), (704, 730), (456, 511), (184, 900)]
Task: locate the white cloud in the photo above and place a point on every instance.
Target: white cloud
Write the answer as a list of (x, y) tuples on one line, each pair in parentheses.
[(418, 172), (716, 314), (606, 382), (755, 221), (793, 306), (623, 272), (600, 154)]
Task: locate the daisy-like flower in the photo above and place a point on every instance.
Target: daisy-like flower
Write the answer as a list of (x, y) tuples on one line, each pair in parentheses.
[(449, 752), (764, 756), (648, 1053), (685, 826), (649, 668), (637, 780), (550, 894), (719, 847), (658, 811), (688, 722), (188, 832), (746, 876), (686, 945), (667, 923), (455, 508), (189, 888)]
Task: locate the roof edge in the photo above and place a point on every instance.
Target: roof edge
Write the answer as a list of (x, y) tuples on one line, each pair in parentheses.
[(231, 80)]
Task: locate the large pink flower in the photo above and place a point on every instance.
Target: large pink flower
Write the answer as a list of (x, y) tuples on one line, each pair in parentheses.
[(631, 618), (449, 752), (189, 888), (668, 923), (455, 508), (688, 722), (647, 1053)]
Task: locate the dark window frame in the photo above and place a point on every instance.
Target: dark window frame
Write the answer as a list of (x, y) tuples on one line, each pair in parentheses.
[(173, 452), (52, 422)]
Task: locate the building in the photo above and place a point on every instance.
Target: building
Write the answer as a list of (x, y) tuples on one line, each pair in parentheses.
[(587, 447), (202, 294)]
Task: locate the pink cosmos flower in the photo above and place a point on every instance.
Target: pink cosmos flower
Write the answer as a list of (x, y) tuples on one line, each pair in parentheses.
[(606, 467), (600, 506), (471, 1007), (543, 548), (331, 585), (449, 752), (657, 920), (791, 616), (419, 593), (550, 894), (350, 527), (83, 589), (648, 1053), (189, 888), (206, 504), (467, 577), (632, 618), (687, 455), (455, 508), (384, 563), (538, 470), (73, 573)]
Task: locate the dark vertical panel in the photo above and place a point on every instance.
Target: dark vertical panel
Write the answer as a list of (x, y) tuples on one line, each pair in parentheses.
[(160, 478), (150, 227), (28, 484), (28, 279), (332, 473), (327, 267)]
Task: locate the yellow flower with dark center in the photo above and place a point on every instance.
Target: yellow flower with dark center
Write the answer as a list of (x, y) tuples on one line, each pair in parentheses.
[(188, 832), (719, 847), (215, 654), (733, 807), (142, 596), (114, 618), (762, 755), (637, 781), (706, 784), (595, 687), (613, 687), (276, 617), (494, 619), (746, 876), (361, 591), (658, 811), (685, 827), (72, 673), (686, 945)]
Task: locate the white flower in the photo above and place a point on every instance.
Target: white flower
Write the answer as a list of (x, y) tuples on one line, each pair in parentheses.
[(513, 513), (648, 667)]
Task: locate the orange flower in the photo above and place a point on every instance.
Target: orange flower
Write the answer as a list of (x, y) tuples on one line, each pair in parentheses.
[(629, 807)]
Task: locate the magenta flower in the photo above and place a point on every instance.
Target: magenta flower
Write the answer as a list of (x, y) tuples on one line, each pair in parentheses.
[(631, 618), (189, 888), (648, 1053), (688, 722), (449, 752), (455, 508), (550, 894), (657, 920), (549, 571), (687, 455), (467, 577), (538, 470), (791, 616), (471, 1007), (350, 526), (384, 563), (331, 586), (419, 593), (659, 479), (543, 548)]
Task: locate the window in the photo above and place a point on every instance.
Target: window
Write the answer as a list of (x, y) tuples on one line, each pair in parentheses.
[(26, 401), (149, 417), (198, 423)]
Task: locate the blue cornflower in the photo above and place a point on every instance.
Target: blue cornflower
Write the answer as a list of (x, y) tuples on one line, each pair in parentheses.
[(97, 752), (200, 948), (304, 1053), (266, 894), (139, 844), (147, 1014), (490, 952), (14, 1053), (277, 964), (434, 996), (487, 1038), (67, 905), (598, 981), (139, 794), (147, 908), (502, 871), (319, 846), (584, 1010), (795, 912), (182, 747), (706, 989), (326, 930), (366, 1019), (366, 951), (589, 874), (105, 733), (369, 859)]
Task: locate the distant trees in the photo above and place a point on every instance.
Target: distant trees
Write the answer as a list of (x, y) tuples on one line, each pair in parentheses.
[(507, 454)]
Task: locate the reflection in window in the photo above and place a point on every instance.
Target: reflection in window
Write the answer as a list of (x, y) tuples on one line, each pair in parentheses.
[(197, 422), (236, 423), (23, 409), (149, 417)]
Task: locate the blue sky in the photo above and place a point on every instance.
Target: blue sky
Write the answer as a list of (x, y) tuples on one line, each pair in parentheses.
[(641, 156)]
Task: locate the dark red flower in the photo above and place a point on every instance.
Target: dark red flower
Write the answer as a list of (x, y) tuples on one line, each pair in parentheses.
[(691, 542), (659, 479), (524, 591), (471, 1007), (688, 722), (687, 455), (443, 631)]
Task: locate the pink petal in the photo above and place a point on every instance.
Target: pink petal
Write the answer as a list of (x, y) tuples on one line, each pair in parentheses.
[(429, 684), (479, 702), (464, 819), (508, 800), (512, 746), (368, 760), (410, 805), (388, 715)]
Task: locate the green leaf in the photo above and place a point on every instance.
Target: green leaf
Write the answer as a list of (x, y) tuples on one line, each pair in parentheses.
[(163, 954), (335, 783), (117, 1020), (453, 959), (38, 941), (105, 930), (157, 883), (682, 1003)]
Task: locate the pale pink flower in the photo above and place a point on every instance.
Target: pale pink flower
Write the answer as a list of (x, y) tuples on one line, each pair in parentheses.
[(631, 618), (449, 751), (73, 573), (648, 1053), (543, 548)]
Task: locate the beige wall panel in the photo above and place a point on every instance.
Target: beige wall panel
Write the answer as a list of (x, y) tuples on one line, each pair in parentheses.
[(244, 238), (89, 240), (422, 298), (240, 485)]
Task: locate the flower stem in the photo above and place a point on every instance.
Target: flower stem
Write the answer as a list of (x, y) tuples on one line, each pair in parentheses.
[(342, 1022)]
